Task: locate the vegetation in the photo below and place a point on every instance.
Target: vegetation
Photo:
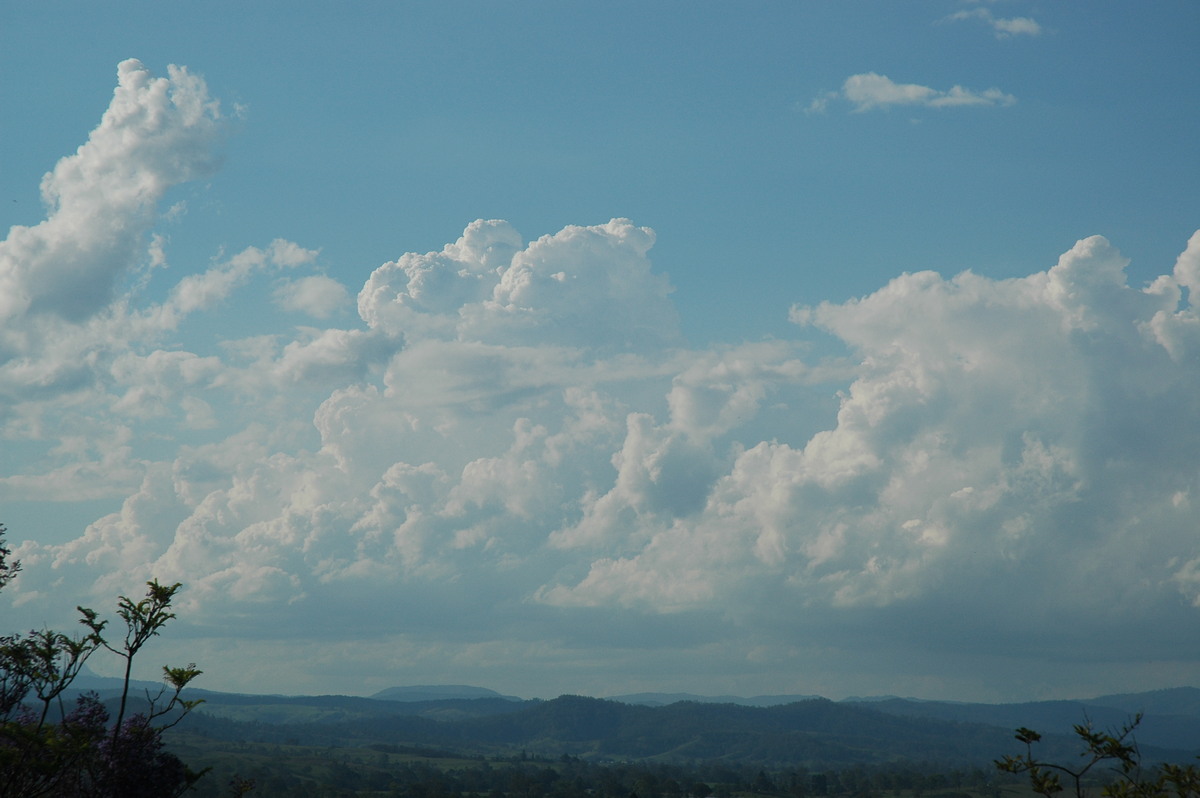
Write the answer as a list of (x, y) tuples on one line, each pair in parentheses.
[(279, 770), (1110, 762), (813, 732), (1111, 765), (50, 748)]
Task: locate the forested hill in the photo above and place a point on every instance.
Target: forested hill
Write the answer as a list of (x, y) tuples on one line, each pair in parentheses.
[(808, 732), (1171, 717)]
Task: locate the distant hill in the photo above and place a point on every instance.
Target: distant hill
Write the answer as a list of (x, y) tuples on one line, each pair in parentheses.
[(809, 733), (806, 732), (664, 699), (761, 731), (442, 692), (1171, 718), (1172, 701), (88, 679)]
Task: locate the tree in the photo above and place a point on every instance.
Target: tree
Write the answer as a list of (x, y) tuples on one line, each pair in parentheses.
[(8, 566), (50, 749), (1127, 778)]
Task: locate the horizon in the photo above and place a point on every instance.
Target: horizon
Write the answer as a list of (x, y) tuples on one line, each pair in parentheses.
[(799, 348), (88, 677)]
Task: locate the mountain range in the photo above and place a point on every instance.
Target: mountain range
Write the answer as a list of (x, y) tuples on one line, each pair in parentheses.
[(771, 730)]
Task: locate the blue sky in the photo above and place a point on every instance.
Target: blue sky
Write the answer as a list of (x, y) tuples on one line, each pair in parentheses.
[(795, 364)]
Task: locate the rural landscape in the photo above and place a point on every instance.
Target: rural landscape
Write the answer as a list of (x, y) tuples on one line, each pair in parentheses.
[(574, 746), (622, 399), (452, 741)]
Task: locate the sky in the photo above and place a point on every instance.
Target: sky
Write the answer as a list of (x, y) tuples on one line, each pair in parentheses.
[(728, 348)]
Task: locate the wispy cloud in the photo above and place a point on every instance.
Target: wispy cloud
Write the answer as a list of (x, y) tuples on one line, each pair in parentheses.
[(869, 91), (1003, 27)]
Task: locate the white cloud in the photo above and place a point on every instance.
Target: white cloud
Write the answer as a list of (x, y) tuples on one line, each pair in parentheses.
[(1179, 330), (992, 422), (584, 286), (869, 90), (333, 356), (997, 443), (317, 295), (514, 452), (1003, 27), (156, 133), (203, 291)]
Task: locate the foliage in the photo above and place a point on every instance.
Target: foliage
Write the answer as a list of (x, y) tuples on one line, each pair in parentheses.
[(1116, 748), (50, 749), (9, 567)]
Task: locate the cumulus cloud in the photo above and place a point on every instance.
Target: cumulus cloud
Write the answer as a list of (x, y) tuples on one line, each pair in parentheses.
[(156, 133), (869, 90), (317, 295), (994, 428), (1003, 27), (82, 357), (584, 286), (512, 451)]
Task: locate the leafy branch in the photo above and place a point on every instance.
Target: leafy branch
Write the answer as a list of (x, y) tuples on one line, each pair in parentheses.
[(79, 753), (1115, 747)]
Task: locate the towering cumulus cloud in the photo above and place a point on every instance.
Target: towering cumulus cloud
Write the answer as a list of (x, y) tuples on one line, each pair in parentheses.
[(589, 287), (1027, 438), (512, 447), (156, 133)]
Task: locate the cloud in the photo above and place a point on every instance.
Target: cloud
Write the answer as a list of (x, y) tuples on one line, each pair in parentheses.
[(317, 295), (82, 361), (868, 91), (994, 428), (1178, 331), (511, 453), (583, 286), (998, 443), (156, 133), (1003, 27)]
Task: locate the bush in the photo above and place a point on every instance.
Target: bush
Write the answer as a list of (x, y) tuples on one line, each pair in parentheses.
[(48, 749)]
